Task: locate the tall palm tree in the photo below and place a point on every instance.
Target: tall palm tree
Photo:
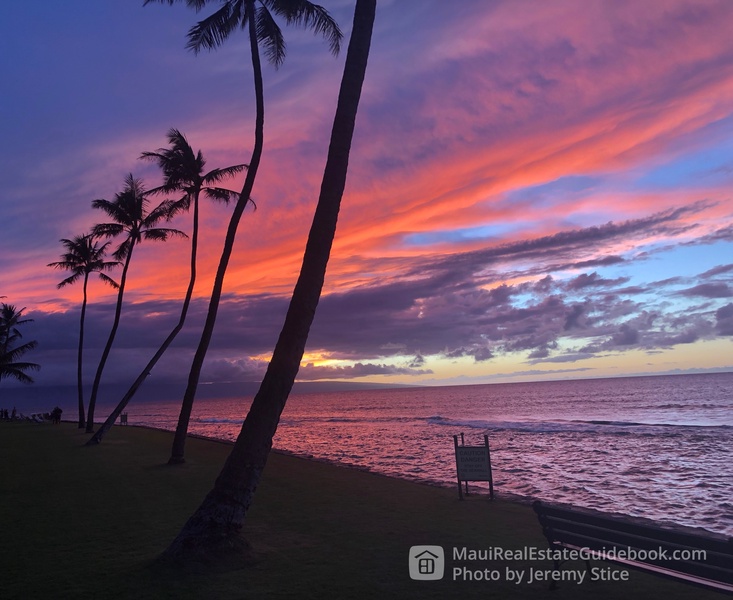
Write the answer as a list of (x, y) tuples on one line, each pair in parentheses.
[(213, 530), (183, 170), (256, 17), (10, 319), (131, 218), (83, 257)]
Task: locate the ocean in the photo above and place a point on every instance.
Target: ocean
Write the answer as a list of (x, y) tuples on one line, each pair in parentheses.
[(657, 447)]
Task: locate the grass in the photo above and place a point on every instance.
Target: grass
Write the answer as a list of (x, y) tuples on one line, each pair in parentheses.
[(79, 521)]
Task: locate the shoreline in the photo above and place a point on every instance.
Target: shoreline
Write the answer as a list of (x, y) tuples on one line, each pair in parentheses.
[(479, 491)]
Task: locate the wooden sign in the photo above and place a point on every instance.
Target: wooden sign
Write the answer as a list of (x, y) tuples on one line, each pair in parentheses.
[(473, 463)]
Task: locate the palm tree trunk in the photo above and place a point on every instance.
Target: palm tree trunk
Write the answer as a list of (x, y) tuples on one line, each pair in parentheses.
[(108, 346), (107, 425), (179, 440), (212, 532), (79, 379)]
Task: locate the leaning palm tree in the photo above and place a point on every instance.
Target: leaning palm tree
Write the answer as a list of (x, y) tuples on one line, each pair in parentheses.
[(10, 367), (256, 17), (131, 218), (183, 170), (83, 257), (213, 530)]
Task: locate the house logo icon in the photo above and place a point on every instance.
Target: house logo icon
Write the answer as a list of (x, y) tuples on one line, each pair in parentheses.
[(427, 563)]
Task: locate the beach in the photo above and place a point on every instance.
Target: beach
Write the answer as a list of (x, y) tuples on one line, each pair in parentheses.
[(91, 521)]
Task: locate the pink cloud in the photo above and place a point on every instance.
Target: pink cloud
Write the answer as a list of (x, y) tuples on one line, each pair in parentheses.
[(463, 106)]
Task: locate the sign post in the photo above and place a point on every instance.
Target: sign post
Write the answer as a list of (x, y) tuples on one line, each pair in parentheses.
[(473, 463)]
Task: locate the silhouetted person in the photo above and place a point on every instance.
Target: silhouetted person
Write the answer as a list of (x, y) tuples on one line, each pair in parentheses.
[(56, 415), (12, 415)]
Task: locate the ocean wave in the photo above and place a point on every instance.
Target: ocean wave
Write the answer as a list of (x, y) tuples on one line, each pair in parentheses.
[(576, 426), (679, 405), (219, 420), (555, 426)]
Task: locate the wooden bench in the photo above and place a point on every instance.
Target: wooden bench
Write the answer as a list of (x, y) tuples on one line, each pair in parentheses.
[(670, 553)]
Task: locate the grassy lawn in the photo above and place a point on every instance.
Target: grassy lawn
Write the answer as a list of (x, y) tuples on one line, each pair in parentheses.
[(79, 521)]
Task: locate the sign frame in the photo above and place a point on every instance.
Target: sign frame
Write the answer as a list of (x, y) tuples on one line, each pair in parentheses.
[(473, 463)]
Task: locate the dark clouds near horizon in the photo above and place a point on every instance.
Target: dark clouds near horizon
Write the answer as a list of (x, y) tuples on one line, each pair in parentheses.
[(554, 299)]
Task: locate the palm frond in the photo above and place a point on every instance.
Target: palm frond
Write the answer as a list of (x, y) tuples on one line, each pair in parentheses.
[(195, 4), (68, 261), (183, 204), (10, 319), (123, 249), (16, 371), (216, 175), (200, 159), (126, 210), (112, 209), (167, 188), (309, 16), (162, 234), (108, 280), (133, 188), (163, 212), (220, 194), (270, 36), (211, 32), (108, 265), (10, 356), (181, 167), (154, 156), (101, 250), (107, 230), (72, 279), (9, 340), (84, 256), (179, 144), (10, 316)]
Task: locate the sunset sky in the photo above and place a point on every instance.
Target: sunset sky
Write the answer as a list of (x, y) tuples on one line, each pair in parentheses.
[(537, 190)]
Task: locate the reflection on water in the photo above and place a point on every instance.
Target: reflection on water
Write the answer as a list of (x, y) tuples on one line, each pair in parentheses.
[(659, 447)]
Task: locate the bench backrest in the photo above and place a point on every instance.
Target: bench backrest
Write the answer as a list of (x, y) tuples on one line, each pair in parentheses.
[(600, 533)]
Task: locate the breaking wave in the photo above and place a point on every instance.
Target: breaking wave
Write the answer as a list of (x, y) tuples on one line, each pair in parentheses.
[(559, 426)]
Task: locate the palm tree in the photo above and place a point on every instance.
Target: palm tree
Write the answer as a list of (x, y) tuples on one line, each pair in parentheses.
[(210, 33), (83, 257), (130, 217), (10, 319), (184, 172), (213, 530)]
